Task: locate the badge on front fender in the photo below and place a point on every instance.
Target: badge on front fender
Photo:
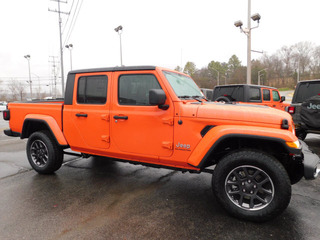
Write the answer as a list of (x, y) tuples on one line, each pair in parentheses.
[(183, 147)]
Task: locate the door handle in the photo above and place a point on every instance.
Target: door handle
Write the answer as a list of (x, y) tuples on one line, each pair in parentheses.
[(82, 115), (120, 117)]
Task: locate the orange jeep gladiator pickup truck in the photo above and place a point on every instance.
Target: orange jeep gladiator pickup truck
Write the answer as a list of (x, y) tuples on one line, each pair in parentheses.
[(159, 117)]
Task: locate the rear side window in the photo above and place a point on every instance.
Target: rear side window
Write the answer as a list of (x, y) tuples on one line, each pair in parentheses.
[(266, 95), (134, 89), (92, 90), (275, 96), (235, 92), (254, 94), (306, 90)]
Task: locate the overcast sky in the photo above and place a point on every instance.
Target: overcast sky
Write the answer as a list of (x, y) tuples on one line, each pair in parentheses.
[(165, 33)]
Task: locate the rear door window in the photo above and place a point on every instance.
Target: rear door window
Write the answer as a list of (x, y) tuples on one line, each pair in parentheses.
[(266, 94), (92, 90), (254, 94)]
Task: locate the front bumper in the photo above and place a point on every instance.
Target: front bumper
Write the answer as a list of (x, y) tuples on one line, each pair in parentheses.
[(310, 162)]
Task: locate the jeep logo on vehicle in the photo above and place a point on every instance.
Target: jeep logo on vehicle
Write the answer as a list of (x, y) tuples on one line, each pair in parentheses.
[(314, 106), (181, 146)]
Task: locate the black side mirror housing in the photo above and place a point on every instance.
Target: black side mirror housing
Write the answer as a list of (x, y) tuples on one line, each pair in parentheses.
[(282, 99), (157, 97)]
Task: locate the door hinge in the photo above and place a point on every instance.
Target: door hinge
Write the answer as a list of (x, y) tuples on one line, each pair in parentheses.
[(169, 121), (105, 138), (168, 145), (105, 117)]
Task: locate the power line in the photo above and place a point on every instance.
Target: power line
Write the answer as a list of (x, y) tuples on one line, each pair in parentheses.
[(64, 28), (76, 14), (71, 23)]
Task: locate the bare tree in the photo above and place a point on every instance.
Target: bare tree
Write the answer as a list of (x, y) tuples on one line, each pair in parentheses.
[(17, 90), (315, 65), (2, 95), (302, 56), (286, 54)]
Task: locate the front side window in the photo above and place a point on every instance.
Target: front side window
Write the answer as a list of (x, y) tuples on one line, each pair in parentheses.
[(183, 86), (275, 96), (254, 94), (266, 95), (92, 90), (134, 89)]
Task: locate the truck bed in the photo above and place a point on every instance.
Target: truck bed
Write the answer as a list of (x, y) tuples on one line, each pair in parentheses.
[(21, 110)]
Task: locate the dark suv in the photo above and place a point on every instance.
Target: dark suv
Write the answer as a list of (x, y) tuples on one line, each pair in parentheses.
[(305, 108), (252, 94)]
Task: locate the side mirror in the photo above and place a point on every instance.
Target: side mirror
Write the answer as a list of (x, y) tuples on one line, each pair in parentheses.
[(282, 99), (157, 97)]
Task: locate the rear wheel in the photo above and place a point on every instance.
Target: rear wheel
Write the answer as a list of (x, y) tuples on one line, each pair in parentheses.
[(251, 185), (44, 154)]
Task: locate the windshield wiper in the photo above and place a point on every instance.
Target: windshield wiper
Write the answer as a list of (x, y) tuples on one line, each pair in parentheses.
[(198, 98), (184, 96)]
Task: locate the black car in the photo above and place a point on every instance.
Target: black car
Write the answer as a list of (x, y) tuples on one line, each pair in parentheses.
[(305, 108)]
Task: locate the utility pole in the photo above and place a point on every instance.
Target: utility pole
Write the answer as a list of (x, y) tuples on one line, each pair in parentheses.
[(61, 48), (54, 71)]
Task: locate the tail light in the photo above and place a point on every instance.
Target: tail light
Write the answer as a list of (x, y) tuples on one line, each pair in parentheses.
[(6, 114), (291, 109)]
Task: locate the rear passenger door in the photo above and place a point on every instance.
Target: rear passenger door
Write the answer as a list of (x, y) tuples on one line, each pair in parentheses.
[(87, 120)]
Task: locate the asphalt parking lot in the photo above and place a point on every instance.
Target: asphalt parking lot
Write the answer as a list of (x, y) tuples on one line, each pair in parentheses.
[(98, 198)]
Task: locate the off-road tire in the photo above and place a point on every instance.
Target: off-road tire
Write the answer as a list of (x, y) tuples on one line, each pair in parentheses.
[(253, 168), (44, 154)]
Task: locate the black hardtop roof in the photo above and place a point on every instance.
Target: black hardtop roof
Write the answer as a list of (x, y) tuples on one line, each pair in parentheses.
[(309, 81), (113, 69), (253, 85)]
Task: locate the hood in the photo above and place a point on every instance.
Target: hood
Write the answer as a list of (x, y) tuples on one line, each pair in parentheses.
[(241, 113)]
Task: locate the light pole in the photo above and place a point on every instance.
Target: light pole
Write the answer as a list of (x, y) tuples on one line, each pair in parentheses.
[(70, 47), (259, 75), (218, 79), (39, 85), (225, 79), (247, 31), (119, 31), (30, 82)]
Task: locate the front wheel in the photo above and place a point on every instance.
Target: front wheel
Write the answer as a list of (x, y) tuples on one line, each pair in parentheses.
[(251, 185), (44, 154)]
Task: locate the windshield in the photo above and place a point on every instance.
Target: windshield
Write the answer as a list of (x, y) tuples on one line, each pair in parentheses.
[(183, 86)]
